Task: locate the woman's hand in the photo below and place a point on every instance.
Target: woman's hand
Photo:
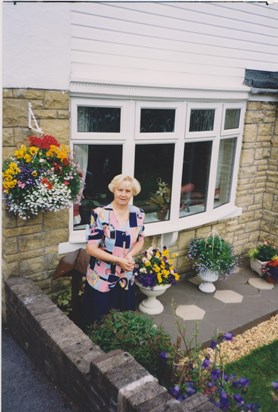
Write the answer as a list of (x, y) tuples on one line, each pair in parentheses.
[(127, 264)]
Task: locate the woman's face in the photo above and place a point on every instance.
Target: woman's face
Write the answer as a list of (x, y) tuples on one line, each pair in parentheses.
[(123, 193)]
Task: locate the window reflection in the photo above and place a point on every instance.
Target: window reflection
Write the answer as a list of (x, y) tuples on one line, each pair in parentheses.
[(99, 119), (232, 117), (154, 170), (157, 120), (100, 163), (195, 178), (201, 120), (224, 172)]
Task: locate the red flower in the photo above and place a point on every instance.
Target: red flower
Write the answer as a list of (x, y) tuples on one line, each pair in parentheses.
[(66, 182), (46, 183), (43, 142)]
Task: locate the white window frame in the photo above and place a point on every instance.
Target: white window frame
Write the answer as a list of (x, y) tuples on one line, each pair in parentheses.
[(229, 132), (179, 112), (85, 102), (130, 135)]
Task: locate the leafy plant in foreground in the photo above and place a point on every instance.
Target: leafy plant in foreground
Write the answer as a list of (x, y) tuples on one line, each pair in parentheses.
[(135, 334)]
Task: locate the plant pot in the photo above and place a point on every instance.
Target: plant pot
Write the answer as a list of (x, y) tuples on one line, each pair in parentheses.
[(161, 214), (208, 277), (256, 265), (270, 279), (151, 305)]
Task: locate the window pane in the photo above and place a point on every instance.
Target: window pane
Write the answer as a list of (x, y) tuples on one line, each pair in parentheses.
[(201, 120), (99, 119), (157, 120), (100, 163), (232, 117), (154, 170), (225, 169), (195, 178)]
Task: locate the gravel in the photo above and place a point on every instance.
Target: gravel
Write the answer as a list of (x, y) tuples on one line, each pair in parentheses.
[(242, 344)]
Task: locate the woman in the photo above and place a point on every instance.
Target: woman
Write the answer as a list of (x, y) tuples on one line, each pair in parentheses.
[(115, 235)]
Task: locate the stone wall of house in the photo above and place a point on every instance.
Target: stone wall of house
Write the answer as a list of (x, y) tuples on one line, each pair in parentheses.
[(30, 247)]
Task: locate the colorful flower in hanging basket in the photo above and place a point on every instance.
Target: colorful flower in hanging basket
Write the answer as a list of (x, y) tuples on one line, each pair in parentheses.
[(155, 267), (39, 178)]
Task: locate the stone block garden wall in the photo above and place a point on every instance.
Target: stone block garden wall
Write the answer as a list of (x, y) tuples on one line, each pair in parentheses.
[(30, 247), (94, 380)]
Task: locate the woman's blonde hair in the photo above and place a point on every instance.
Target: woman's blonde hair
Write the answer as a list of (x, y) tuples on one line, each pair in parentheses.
[(136, 187)]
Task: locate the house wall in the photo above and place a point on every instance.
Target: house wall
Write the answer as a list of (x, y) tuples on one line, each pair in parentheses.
[(189, 45), (30, 248)]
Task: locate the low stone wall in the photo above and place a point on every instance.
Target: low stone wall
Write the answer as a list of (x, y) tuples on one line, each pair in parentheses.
[(94, 380)]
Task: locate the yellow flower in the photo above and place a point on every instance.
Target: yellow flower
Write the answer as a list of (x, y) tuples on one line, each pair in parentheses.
[(19, 154), (33, 150), (165, 272), (27, 158), (177, 276), (34, 173), (175, 255), (147, 263), (8, 177), (165, 252), (159, 278), (14, 168)]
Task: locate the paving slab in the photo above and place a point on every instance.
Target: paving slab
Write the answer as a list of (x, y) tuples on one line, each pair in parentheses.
[(243, 304)]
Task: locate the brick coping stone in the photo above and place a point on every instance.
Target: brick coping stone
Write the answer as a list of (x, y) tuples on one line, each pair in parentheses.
[(93, 380)]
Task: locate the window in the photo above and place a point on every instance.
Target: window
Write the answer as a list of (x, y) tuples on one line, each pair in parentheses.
[(185, 155)]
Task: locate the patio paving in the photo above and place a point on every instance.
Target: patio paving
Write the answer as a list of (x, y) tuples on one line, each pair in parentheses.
[(239, 302)]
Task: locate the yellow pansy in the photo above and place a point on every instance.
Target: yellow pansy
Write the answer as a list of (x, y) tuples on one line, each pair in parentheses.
[(27, 158), (165, 252), (33, 150), (34, 173), (159, 278), (147, 263), (177, 276), (19, 154)]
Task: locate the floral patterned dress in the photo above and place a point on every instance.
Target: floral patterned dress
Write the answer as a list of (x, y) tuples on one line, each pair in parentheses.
[(105, 231)]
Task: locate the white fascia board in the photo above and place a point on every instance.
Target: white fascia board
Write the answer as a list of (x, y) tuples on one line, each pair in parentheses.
[(82, 88)]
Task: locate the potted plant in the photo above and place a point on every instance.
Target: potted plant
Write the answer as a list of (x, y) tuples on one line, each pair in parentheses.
[(154, 274), (270, 270), (41, 177), (160, 199), (261, 254), (213, 257)]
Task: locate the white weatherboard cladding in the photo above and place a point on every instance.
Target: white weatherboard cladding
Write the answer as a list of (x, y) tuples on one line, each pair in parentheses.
[(207, 45), (175, 44), (36, 45)]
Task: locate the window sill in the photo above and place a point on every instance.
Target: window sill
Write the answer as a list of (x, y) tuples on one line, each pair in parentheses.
[(168, 230)]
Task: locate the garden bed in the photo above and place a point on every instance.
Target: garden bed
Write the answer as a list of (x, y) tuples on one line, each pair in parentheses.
[(94, 380)]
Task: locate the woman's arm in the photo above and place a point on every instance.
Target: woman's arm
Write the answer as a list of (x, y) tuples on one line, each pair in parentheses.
[(94, 250)]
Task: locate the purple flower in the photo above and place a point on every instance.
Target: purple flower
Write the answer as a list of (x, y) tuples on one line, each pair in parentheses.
[(238, 398), (176, 392), (215, 374), (241, 382), (213, 344), (228, 336), (274, 384), (206, 363)]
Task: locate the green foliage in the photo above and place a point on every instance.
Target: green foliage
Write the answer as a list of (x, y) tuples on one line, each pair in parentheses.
[(212, 253), (63, 300), (264, 251), (135, 334), (261, 367)]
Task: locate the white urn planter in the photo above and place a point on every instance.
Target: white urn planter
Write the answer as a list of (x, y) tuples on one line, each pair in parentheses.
[(208, 277), (256, 265), (151, 305)]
